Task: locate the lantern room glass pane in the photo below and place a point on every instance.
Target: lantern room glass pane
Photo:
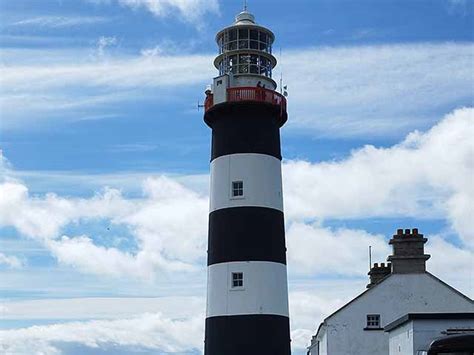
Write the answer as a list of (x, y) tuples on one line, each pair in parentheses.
[(219, 42), (244, 61), (243, 69), (253, 45), (233, 35), (243, 44), (254, 35), (244, 33), (244, 58), (233, 64)]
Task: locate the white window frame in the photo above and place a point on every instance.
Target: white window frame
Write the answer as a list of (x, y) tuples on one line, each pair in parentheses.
[(236, 197), (373, 321), (241, 279)]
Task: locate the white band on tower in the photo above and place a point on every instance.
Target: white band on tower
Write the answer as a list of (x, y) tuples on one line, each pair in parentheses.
[(260, 175), (264, 289)]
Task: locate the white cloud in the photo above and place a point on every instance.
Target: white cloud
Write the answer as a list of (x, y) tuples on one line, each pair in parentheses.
[(125, 73), (149, 331), (133, 148), (59, 21), (377, 89), (334, 91), (447, 260), (308, 307), (74, 88), (315, 250), (173, 307), (43, 217), (191, 11), (168, 225), (103, 43), (11, 261), (426, 175), (82, 253)]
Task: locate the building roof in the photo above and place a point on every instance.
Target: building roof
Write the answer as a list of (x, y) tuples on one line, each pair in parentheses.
[(426, 316), (380, 282)]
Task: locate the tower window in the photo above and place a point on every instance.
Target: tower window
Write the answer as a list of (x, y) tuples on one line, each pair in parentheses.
[(373, 320), (237, 279), (237, 188)]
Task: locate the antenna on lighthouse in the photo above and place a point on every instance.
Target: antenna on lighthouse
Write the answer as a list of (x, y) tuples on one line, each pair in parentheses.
[(245, 5)]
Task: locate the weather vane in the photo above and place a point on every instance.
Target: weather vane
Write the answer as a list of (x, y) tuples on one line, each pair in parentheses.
[(245, 5)]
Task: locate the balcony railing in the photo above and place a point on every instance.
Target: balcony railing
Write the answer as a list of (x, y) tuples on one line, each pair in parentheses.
[(239, 94)]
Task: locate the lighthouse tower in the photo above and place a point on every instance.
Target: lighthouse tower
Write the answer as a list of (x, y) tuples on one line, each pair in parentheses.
[(247, 296)]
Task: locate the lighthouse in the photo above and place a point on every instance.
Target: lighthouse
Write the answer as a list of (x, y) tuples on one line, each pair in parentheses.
[(247, 294)]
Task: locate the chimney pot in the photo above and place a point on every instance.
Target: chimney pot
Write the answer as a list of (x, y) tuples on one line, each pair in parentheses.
[(377, 274), (408, 253), (399, 231)]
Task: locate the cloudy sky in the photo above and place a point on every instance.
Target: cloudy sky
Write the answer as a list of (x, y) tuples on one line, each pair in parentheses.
[(104, 160)]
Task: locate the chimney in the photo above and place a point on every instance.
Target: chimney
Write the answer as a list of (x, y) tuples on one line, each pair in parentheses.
[(377, 273), (408, 252)]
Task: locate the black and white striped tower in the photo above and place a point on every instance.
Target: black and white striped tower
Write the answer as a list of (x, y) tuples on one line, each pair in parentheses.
[(247, 296)]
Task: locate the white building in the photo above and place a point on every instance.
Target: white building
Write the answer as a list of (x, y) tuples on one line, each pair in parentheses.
[(414, 332), (395, 290)]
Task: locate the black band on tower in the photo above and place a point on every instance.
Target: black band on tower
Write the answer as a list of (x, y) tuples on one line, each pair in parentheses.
[(248, 335), (245, 127), (246, 234)]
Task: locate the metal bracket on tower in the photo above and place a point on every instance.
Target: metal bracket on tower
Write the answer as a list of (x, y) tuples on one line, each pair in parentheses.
[(199, 105)]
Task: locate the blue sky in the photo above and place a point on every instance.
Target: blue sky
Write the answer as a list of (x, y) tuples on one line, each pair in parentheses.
[(100, 134)]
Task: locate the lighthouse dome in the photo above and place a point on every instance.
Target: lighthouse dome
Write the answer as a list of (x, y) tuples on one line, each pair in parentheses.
[(244, 18)]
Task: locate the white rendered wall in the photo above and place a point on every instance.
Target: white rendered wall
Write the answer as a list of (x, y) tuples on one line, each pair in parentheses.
[(396, 296), (323, 345), (260, 173), (320, 344), (417, 335), (265, 289), (401, 340)]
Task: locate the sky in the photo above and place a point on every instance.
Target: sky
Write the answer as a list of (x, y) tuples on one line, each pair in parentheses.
[(104, 160)]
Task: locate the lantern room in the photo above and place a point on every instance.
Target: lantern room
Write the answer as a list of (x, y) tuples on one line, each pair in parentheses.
[(245, 56), (245, 48)]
